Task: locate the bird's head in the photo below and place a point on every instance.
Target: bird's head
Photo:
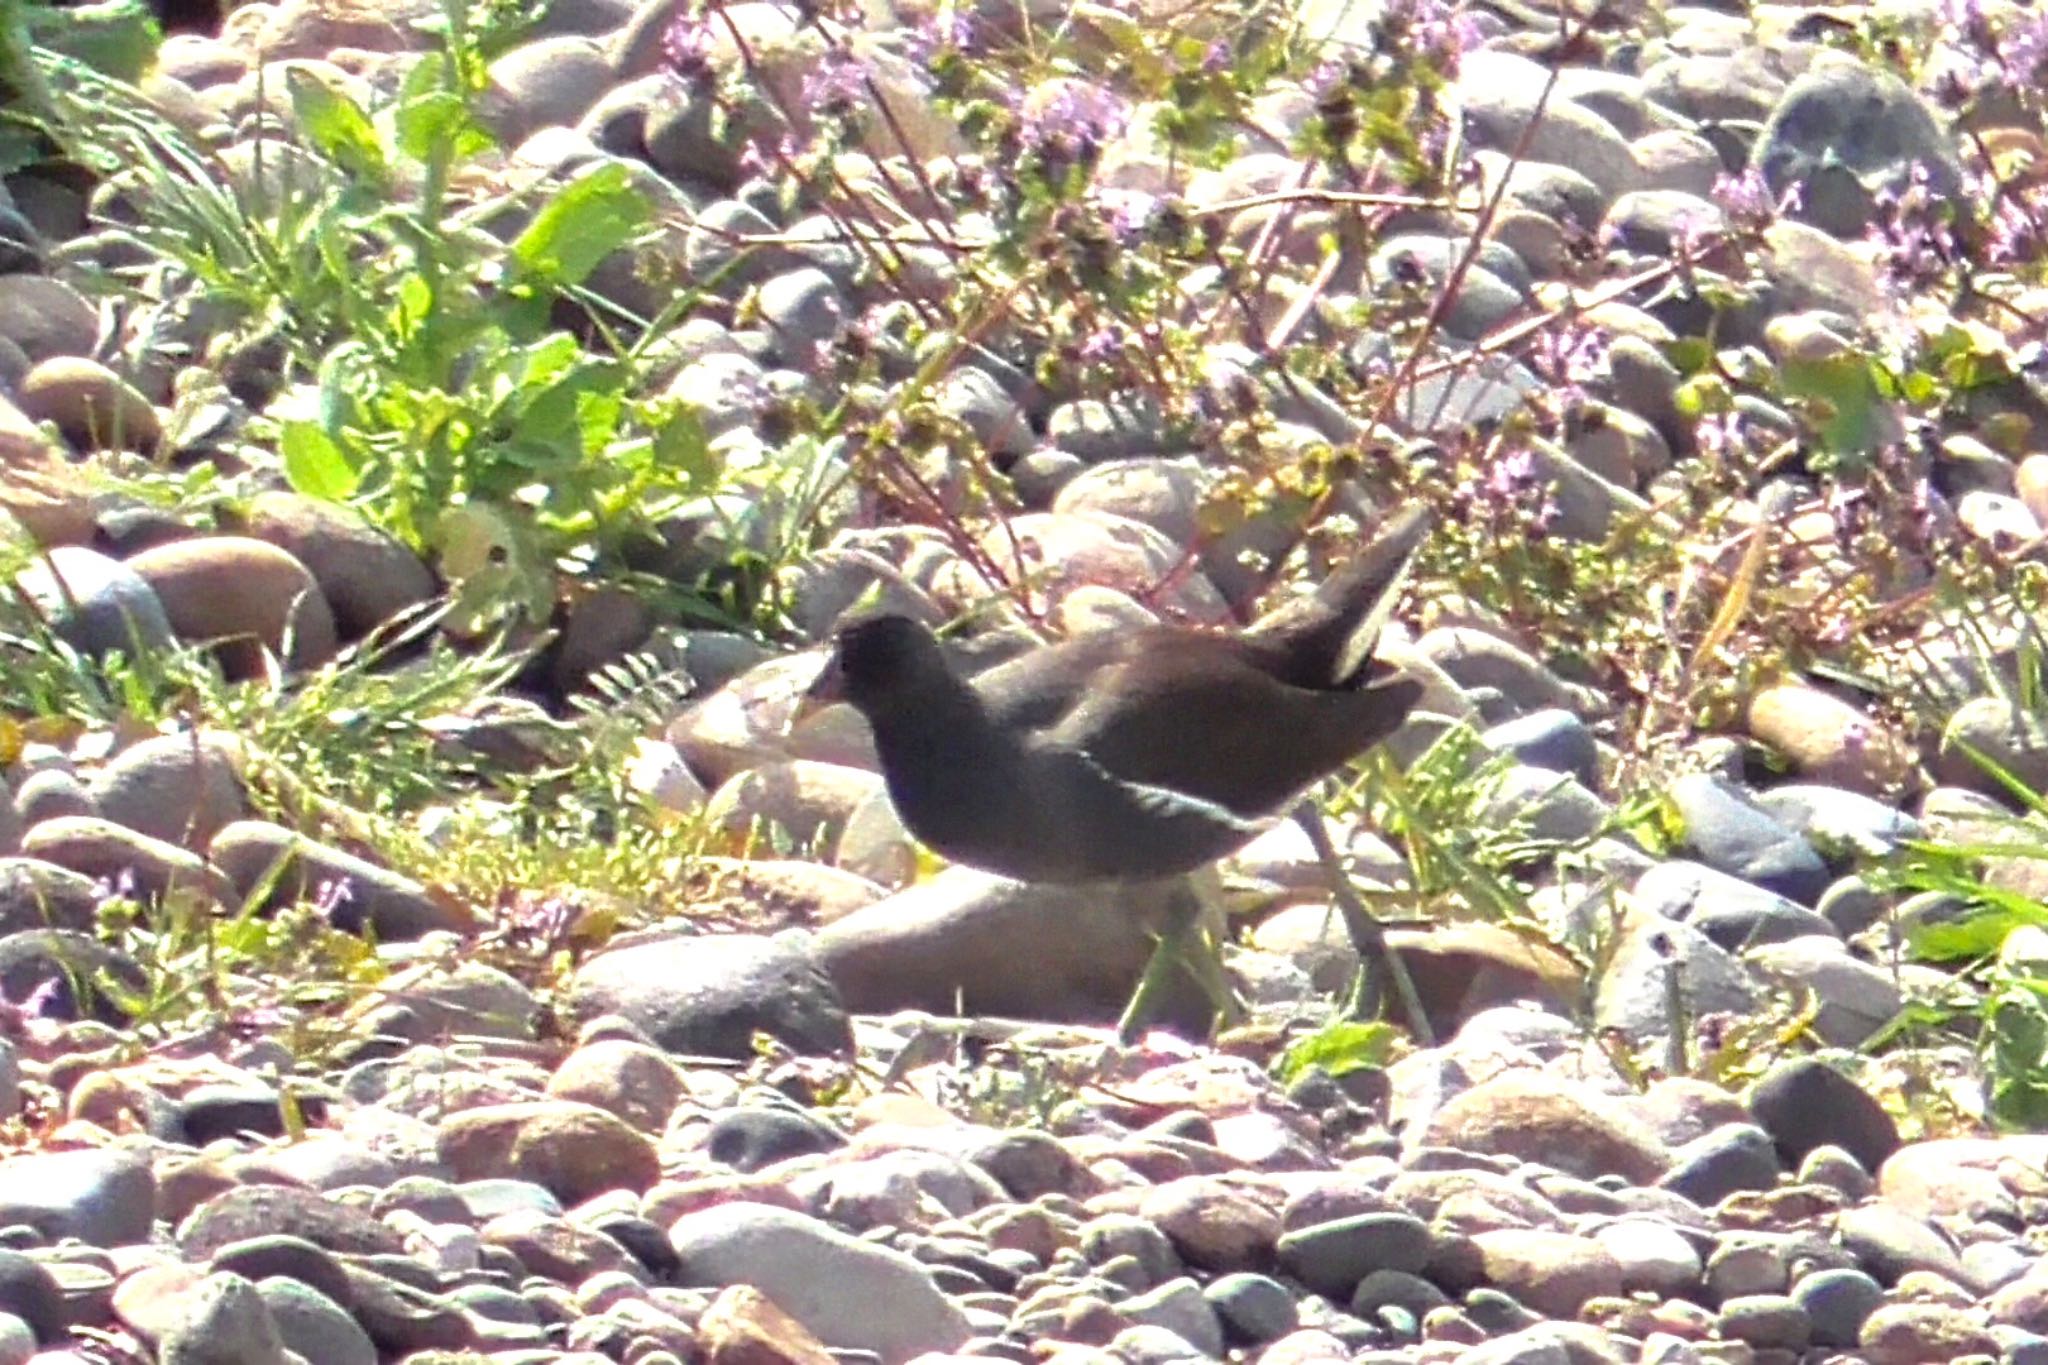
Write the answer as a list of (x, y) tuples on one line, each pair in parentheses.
[(878, 659)]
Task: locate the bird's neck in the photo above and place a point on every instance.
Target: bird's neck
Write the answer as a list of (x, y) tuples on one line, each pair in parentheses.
[(936, 739)]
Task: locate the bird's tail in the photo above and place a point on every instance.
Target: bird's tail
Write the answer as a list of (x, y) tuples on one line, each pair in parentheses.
[(1329, 635)]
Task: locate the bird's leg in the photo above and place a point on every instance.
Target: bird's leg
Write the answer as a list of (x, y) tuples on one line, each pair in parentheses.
[(1375, 954), (1204, 950), (1190, 938)]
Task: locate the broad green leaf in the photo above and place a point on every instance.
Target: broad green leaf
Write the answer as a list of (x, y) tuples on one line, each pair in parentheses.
[(597, 418), (336, 125), (315, 464), (1976, 933), (681, 444), (547, 359), (497, 564), (117, 38), (437, 124), (588, 220), (1340, 1046), (1842, 386)]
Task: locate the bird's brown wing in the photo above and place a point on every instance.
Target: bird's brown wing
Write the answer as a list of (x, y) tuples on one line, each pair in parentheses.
[(1038, 691), (1195, 715)]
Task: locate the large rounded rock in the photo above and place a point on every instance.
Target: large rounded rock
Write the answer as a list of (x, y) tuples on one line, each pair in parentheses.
[(93, 407), (72, 975), (2004, 734), (46, 317), (953, 942), (284, 867), (96, 604), (102, 1196), (245, 597), (35, 894), (224, 1319), (124, 862), (633, 1081), (1827, 739), (1728, 831), (1804, 1103), (314, 28), (831, 1283), (314, 1325), (708, 995), (247, 1211), (1536, 1117), (1064, 551), (178, 788), (544, 83), (366, 576), (806, 801), (576, 1151), (1846, 132)]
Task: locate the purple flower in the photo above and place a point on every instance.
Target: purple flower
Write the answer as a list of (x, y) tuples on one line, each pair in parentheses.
[(837, 84), (1748, 203), (1437, 30), (121, 887), (2023, 49), (687, 46), (1720, 435), (38, 1016), (1075, 117), (1512, 475), (1911, 228), (330, 896), (1572, 357), (547, 920), (1103, 344), (2014, 235), (1129, 212), (1217, 58), (1328, 75), (758, 158), (938, 33)]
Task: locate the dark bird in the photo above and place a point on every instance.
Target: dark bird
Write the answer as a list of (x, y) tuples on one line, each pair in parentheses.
[(1129, 755)]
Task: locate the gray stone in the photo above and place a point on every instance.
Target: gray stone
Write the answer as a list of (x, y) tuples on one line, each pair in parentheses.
[(1846, 132), (828, 1281), (36, 895), (2005, 735), (1735, 1156), (314, 1325), (1856, 998), (1253, 1309), (95, 604), (48, 794), (1551, 738), (805, 311), (1836, 1303), (1331, 1258), (709, 994), (1632, 992), (224, 1321), (284, 867), (178, 788), (1729, 832), (1804, 1103), (1098, 430), (1891, 1244), (1767, 1322), (1178, 1306), (1841, 824)]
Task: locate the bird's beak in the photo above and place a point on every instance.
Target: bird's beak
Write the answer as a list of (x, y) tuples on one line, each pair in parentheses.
[(827, 689)]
